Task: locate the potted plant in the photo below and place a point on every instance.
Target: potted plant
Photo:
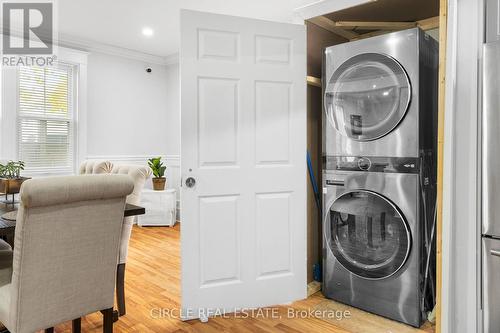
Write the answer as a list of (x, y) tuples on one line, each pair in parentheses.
[(158, 170), (10, 177)]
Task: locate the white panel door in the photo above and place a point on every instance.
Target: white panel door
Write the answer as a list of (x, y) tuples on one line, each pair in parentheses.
[(243, 102)]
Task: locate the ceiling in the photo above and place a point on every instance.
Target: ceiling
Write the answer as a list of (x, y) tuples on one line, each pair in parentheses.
[(120, 23)]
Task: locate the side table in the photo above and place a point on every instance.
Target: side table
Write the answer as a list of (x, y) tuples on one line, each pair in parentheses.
[(160, 208)]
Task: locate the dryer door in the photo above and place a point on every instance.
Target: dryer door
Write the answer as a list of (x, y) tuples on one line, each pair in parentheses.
[(367, 234), (367, 96)]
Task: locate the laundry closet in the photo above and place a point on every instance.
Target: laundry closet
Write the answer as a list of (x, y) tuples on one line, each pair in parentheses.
[(374, 234)]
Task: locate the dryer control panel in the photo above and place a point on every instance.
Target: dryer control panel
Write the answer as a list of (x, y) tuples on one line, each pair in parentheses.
[(372, 164)]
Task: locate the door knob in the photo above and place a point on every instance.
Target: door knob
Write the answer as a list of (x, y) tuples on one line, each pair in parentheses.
[(190, 182)]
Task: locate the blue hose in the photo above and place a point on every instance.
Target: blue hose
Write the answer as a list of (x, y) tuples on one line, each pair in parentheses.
[(313, 183), (317, 272)]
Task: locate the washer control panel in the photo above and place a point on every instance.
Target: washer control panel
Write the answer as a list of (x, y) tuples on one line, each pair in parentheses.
[(372, 164)]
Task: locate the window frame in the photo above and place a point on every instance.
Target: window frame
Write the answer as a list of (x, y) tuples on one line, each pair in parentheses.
[(71, 120), (9, 115)]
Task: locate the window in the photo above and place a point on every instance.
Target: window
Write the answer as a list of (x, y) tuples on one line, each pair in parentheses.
[(45, 119)]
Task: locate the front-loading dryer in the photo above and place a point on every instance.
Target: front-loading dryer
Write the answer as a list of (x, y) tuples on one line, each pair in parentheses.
[(380, 95), (373, 253)]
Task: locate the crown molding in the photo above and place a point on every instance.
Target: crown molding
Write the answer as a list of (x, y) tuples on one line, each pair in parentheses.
[(90, 46), (172, 59), (93, 46)]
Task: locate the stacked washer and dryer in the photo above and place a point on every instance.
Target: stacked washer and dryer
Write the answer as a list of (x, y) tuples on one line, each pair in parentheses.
[(379, 177)]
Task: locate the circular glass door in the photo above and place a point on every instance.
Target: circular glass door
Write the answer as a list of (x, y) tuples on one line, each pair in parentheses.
[(367, 234), (367, 96)]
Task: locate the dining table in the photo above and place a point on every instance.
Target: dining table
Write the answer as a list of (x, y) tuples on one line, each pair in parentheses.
[(8, 227)]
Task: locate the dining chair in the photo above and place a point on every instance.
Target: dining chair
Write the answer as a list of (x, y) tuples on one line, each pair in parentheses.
[(67, 240), (5, 261), (139, 175)]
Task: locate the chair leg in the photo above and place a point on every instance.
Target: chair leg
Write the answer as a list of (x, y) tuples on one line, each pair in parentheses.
[(49, 330), (120, 289), (77, 325), (116, 316), (107, 326)]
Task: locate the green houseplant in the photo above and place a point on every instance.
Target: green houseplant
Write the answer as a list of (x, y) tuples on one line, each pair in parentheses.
[(158, 169), (10, 177)]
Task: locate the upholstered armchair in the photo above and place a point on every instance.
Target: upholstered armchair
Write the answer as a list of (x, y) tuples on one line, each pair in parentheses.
[(67, 240), (139, 174)]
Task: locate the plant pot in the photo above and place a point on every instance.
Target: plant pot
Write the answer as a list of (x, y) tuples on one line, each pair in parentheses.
[(11, 185), (159, 183)]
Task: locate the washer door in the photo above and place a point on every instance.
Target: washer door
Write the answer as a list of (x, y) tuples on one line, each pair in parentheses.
[(367, 96), (367, 234)]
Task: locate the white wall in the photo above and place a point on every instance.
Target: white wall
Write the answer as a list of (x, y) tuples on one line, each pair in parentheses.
[(132, 114), (128, 108), (173, 110)]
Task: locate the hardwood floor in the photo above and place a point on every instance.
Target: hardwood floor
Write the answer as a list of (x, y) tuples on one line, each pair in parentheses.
[(153, 283)]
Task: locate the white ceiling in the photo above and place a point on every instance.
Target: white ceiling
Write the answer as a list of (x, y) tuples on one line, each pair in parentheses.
[(119, 23)]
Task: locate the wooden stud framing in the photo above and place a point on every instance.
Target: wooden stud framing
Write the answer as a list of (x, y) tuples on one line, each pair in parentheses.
[(329, 25), (443, 19), (344, 28), (375, 25), (430, 23)]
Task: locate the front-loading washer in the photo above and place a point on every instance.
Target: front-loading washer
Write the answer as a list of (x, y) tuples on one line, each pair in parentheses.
[(380, 95), (373, 251)]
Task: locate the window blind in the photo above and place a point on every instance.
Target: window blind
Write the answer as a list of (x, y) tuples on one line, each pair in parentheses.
[(45, 118)]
